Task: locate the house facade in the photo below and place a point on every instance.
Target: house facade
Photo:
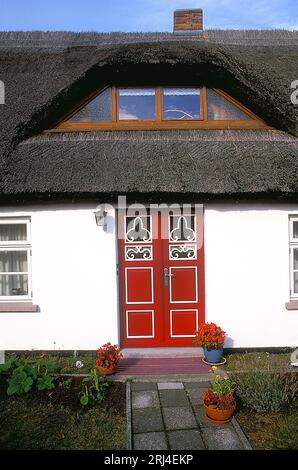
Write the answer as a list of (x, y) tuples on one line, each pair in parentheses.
[(148, 183)]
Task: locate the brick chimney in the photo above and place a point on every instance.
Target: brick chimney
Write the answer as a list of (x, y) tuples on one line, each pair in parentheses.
[(188, 21)]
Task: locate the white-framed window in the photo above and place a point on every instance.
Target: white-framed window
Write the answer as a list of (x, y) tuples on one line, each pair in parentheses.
[(293, 230), (15, 259)]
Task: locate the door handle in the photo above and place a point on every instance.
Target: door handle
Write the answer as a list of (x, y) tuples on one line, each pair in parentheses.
[(166, 276)]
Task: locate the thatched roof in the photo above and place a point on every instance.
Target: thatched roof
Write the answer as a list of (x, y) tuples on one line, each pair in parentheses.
[(46, 73)]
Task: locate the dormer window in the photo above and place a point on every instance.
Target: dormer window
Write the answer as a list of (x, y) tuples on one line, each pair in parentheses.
[(126, 108)]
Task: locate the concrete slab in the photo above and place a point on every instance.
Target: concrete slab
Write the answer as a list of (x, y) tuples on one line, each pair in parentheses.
[(170, 386), (150, 441), (179, 418), (144, 399), (202, 418), (146, 420), (173, 398), (220, 438), (195, 385), (187, 439), (140, 386), (196, 396)]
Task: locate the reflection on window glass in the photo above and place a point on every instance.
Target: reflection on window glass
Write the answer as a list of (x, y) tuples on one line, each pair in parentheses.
[(220, 109), (181, 103), (136, 103), (99, 109)]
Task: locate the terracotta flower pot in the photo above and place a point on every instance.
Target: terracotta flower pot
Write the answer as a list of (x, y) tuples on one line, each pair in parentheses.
[(106, 370), (217, 416)]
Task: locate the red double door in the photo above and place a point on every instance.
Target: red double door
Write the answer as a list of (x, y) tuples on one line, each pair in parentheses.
[(161, 267)]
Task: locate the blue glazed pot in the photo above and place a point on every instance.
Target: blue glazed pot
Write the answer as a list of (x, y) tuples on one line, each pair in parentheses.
[(214, 355)]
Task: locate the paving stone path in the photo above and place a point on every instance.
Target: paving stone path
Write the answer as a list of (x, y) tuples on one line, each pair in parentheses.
[(170, 416)]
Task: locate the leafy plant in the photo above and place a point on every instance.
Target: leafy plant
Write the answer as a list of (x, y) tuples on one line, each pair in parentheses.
[(221, 392), (45, 382), (20, 382), (265, 392), (94, 388), (24, 374), (221, 402), (210, 336), (223, 385)]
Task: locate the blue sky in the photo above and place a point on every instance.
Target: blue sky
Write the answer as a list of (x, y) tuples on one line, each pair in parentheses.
[(143, 15)]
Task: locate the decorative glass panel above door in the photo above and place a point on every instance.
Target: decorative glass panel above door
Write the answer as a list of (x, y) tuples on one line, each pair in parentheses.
[(220, 109), (182, 228)]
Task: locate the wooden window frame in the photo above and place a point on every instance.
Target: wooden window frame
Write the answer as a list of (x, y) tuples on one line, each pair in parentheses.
[(159, 123), (18, 245)]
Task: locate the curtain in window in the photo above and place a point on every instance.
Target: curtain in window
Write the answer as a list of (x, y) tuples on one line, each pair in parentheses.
[(13, 232)]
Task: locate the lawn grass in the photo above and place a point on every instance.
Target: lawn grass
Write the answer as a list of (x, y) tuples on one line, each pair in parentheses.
[(55, 420), (270, 431), (258, 361)]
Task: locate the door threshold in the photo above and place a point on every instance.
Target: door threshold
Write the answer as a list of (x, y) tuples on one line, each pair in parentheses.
[(162, 352)]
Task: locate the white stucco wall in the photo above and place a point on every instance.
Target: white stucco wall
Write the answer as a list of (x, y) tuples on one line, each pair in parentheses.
[(247, 273), (74, 282)]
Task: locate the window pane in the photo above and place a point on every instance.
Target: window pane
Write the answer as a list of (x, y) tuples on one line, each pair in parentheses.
[(295, 229), (221, 109), (13, 261), (99, 109), (13, 232), (136, 103), (296, 283), (13, 284), (181, 103), (295, 261)]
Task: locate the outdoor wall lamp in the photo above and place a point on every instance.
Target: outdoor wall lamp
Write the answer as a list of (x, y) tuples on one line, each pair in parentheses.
[(101, 216)]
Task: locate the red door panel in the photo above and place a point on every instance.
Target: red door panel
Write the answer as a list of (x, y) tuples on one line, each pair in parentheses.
[(139, 285), (183, 284), (162, 278)]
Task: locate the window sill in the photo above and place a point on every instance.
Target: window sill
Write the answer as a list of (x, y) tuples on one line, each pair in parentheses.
[(292, 305), (18, 307)]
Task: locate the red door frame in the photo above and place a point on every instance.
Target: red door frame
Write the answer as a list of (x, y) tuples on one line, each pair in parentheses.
[(160, 262)]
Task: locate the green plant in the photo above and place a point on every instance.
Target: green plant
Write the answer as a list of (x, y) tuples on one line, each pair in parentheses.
[(24, 374), (264, 392), (45, 382), (65, 383), (221, 392), (20, 382), (221, 402), (223, 385), (94, 388)]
